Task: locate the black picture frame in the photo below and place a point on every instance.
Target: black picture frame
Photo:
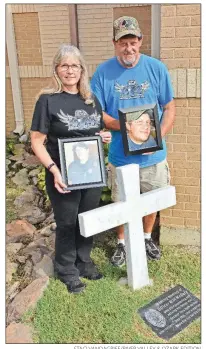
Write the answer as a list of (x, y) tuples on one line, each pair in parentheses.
[(82, 162), (128, 124)]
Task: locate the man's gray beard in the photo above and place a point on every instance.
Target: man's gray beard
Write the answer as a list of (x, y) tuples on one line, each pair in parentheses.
[(128, 63)]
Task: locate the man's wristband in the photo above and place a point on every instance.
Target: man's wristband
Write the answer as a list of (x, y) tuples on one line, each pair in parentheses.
[(50, 166)]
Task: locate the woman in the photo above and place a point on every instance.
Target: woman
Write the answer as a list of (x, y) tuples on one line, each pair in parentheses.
[(67, 110)]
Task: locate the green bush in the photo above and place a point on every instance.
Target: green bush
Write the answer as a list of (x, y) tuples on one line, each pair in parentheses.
[(106, 192), (41, 183), (10, 142)]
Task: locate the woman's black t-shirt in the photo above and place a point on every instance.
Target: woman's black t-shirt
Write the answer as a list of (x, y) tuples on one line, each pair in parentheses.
[(65, 115)]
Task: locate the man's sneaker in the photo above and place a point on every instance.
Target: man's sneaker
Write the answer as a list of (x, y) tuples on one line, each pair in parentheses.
[(152, 250), (119, 257)]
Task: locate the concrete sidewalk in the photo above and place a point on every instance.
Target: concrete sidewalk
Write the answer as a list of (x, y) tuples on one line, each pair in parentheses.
[(180, 236)]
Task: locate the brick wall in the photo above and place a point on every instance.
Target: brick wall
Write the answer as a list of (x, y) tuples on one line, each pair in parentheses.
[(54, 29), (41, 28), (96, 31), (27, 36), (30, 87), (180, 48), (184, 160), (180, 36)]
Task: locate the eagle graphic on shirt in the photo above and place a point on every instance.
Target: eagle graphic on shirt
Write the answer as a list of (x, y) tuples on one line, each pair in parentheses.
[(132, 89), (81, 120)]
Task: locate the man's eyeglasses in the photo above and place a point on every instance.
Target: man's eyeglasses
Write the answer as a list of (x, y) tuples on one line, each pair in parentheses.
[(75, 67)]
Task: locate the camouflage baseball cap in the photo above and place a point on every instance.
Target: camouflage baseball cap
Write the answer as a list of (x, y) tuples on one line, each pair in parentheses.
[(126, 25), (136, 115)]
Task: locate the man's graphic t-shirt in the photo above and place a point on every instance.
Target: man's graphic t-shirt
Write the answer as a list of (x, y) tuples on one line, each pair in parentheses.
[(117, 88), (65, 115)]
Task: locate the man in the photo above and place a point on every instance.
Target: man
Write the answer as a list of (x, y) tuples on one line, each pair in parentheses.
[(133, 79), (139, 131)]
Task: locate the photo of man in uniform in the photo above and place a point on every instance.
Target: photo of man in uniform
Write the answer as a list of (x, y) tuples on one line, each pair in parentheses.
[(85, 167)]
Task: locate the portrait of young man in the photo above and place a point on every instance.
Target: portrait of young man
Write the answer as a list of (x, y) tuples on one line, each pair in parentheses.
[(139, 128)]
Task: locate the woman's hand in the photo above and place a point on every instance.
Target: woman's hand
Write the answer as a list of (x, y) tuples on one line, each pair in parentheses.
[(106, 136), (58, 183)]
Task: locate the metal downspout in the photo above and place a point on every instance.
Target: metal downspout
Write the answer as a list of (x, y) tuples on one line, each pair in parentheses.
[(73, 22), (14, 72), (155, 31)]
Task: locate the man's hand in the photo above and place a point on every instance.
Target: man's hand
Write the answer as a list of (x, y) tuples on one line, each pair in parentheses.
[(168, 118), (105, 135)]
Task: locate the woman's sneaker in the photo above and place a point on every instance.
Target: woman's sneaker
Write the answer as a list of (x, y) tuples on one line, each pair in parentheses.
[(89, 271), (119, 257), (75, 286), (152, 250)]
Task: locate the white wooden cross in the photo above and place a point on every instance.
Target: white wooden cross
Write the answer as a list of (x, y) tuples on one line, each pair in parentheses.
[(129, 211)]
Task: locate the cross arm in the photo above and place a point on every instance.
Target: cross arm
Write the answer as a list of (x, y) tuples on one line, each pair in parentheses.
[(103, 218), (157, 200)]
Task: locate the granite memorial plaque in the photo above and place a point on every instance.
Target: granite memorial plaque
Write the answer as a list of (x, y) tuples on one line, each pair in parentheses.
[(171, 312)]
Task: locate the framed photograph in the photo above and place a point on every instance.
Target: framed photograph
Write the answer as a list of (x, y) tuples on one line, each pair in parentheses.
[(140, 129), (82, 162)]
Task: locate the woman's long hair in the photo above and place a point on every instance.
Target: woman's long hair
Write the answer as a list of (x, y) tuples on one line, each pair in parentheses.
[(83, 83)]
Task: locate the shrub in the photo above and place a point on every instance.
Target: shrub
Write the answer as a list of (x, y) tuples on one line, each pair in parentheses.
[(106, 192), (41, 183), (10, 142)]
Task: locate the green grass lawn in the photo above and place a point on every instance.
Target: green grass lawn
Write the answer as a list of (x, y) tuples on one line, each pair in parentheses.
[(107, 312)]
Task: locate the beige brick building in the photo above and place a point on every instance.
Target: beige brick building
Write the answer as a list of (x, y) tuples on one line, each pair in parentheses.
[(171, 33)]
